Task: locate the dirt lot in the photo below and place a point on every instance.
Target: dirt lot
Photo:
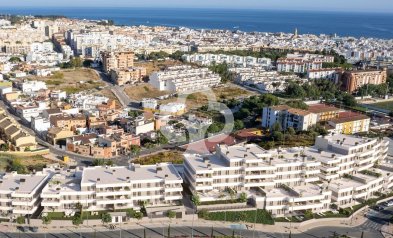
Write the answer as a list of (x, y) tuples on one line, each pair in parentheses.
[(143, 90), (36, 161), (72, 81), (199, 99), (174, 157), (152, 66)]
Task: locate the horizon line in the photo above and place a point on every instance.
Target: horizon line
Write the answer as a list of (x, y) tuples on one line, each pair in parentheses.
[(200, 8)]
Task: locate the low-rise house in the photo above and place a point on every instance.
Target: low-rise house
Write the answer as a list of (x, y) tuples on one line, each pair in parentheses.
[(173, 108)]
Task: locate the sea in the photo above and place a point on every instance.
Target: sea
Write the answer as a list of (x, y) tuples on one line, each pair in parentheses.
[(356, 24)]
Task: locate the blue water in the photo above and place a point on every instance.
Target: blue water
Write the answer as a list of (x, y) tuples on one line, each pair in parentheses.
[(379, 25)]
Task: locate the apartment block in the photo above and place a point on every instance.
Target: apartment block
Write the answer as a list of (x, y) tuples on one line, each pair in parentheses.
[(353, 80), (117, 60), (113, 188), (128, 75), (286, 117), (340, 169), (350, 123), (20, 193), (183, 79)]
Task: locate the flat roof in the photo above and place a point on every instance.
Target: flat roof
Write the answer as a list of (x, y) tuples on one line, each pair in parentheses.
[(348, 140), (320, 108), (113, 175), (344, 183), (26, 183)]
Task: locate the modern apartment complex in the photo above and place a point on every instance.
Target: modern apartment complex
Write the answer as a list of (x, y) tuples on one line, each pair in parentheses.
[(293, 180), (20, 193), (302, 63), (113, 188), (234, 60), (117, 60), (183, 79)]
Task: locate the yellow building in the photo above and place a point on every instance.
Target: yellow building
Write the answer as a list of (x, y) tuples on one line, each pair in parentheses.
[(324, 112), (350, 123)]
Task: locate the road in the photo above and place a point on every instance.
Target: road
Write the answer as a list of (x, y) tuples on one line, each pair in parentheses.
[(202, 231)]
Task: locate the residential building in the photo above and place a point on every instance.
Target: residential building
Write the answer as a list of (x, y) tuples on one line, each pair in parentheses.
[(117, 60), (140, 126), (233, 60), (113, 188), (286, 117), (31, 86), (350, 123), (340, 169), (324, 112), (20, 193), (302, 63), (331, 74), (149, 103), (183, 79), (353, 80), (127, 76), (173, 108)]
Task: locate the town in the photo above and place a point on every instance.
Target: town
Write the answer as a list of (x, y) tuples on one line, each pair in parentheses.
[(114, 125)]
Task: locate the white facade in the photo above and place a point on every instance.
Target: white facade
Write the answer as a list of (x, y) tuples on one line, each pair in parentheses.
[(112, 188), (40, 124), (339, 169), (149, 103), (172, 108), (58, 94), (32, 86), (20, 194), (183, 79), (235, 60)]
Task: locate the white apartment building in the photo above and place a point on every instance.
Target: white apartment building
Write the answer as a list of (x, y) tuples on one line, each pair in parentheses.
[(20, 194), (173, 108), (140, 126), (31, 86), (149, 103), (329, 74), (235, 60), (302, 63), (340, 169), (113, 188), (183, 79), (286, 117), (58, 94), (268, 81), (257, 172), (40, 124)]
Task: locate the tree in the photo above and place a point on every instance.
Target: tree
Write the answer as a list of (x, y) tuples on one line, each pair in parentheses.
[(106, 218), (21, 220), (4, 147), (291, 131), (77, 219), (349, 100), (171, 214), (294, 90), (243, 197), (135, 149), (276, 127), (278, 136), (87, 63), (15, 60), (46, 220), (195, 199), (297, 104), (238, 125), (162, 140), (138, 215)]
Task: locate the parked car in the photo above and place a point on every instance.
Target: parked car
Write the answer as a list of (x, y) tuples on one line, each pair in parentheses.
[(377, 208), (33, 229), (389, 203)]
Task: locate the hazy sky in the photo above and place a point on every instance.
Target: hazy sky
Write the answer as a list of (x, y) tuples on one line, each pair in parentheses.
[(322, 5)]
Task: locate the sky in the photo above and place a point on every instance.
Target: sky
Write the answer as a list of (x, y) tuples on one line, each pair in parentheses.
[(319, 5)]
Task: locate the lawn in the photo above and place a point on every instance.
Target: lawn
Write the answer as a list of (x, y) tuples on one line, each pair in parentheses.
[(174, 157), (384, 105), (261, 216), (72, 80)]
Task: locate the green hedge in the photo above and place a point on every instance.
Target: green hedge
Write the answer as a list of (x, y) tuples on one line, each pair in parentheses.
[(263, 217), (215, 202)]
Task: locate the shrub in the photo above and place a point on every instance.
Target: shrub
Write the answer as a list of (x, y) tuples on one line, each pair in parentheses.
[(261, 216)]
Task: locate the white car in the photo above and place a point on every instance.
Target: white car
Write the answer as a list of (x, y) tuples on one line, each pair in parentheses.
[(389, 203)]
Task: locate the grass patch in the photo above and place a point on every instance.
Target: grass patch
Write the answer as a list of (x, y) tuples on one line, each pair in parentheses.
[(36, 162), (384, 105), (174, 157), (53, 82), (5, 83), (262, 216), (138, 92)]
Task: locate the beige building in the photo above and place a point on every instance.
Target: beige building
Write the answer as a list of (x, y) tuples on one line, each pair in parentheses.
[(127, 76), (353, 80), (117, 60)]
